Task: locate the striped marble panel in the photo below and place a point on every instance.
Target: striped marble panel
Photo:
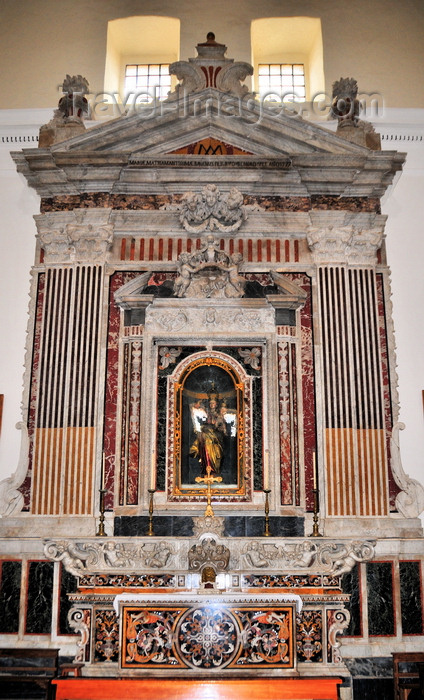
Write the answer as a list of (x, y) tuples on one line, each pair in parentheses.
[(354, 401), (167, 249), (66, 390)]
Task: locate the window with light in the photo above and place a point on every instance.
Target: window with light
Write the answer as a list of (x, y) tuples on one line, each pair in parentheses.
[(281, 81), (149, 80)]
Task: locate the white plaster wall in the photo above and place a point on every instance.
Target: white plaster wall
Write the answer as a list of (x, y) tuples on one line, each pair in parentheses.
[(405, 254), (379, 42), (17, 245)]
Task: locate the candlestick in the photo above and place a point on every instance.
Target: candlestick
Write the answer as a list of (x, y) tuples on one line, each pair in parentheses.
[(151, 492), (267, 532), (266, 470), (102, 472), (101, 531), (315, 492), (153, 473)]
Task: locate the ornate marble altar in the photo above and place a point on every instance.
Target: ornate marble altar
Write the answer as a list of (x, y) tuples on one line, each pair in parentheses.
[(210, 300)]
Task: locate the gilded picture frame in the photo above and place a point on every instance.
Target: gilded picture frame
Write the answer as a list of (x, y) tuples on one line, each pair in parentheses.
[(210, 407)]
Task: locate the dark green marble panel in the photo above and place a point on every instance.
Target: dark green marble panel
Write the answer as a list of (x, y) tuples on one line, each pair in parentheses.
[(40, 597), (10, 596), (411, 597), (257, 434), (350, 585), (380, 599), (68, 584)]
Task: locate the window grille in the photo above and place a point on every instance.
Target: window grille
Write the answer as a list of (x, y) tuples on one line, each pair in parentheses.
[(282, 82), (149, 80)]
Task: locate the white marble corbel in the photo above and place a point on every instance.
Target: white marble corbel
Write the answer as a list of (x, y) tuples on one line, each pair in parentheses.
[(76, 620), (341, 622), (410, 500), (11, 500), (90, 234)]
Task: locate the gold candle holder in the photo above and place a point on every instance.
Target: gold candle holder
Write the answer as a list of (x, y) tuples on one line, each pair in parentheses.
[(151, 493), (267, 532), (101, 531), (315, 528), (315, 492)]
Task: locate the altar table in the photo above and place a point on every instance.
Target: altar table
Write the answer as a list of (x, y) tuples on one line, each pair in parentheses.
[(196, 689)]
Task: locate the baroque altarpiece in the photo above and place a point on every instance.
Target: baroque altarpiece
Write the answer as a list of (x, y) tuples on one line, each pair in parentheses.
[(210, 326)]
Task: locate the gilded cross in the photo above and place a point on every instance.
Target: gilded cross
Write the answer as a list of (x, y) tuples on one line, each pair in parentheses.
[(208, 480)]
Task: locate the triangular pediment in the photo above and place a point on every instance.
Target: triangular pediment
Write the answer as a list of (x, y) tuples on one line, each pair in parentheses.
[(205, 121)]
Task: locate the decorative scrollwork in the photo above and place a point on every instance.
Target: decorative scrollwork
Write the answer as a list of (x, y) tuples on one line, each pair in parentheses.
[(341, 619), (12, 500), (79, 621), (410, 500), (211, 210)]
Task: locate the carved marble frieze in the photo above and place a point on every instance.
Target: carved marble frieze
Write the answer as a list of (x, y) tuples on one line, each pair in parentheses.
[(330, 557), (326, 557), (82, 557), (133, 204), (342, 238), (212, 210), (208, 553), (209, 317), (78, 236)]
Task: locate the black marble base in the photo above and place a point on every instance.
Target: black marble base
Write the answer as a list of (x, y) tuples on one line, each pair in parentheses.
[(373, 689), (11, 690), (371, 667), (372, 678), (181, 526)]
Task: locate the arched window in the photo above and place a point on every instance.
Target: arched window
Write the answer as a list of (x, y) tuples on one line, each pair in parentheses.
[(287, 57), (139, 51)]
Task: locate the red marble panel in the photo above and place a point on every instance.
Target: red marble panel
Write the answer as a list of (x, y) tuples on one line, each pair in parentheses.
[(295, 442), (284, 423), (90, 200), (124, 422), (308, 385), (117, 280), (134, 424)]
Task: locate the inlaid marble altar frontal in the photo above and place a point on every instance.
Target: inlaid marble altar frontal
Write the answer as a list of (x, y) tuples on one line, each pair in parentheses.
[(222, 634)]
